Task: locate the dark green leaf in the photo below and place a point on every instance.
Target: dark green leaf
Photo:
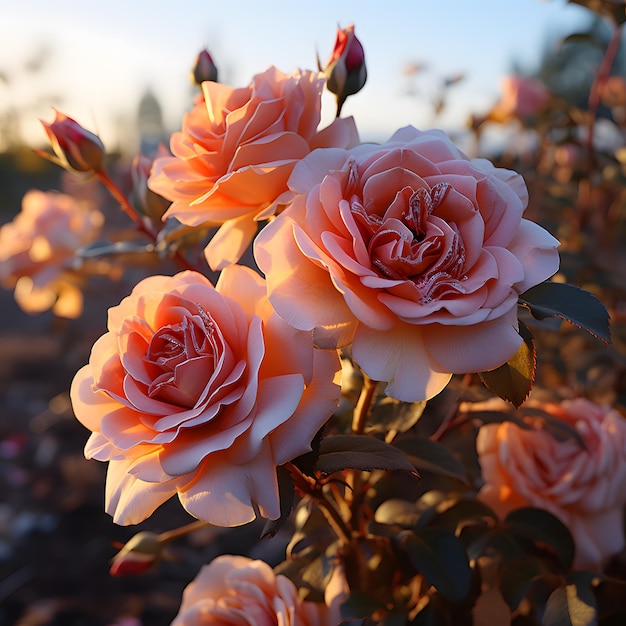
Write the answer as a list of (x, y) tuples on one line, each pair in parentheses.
[(560, 430), (463, 512), (430, 456), (440, 557), (359, 605), (513, 380), (566, 606), (577, 306), (391, 415), (498, 417), (517, 577), (360, 452), (400, 512), (584, 38), (545, 529)]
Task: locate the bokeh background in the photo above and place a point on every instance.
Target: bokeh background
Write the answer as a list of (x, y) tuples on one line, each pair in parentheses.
[(122, 69)]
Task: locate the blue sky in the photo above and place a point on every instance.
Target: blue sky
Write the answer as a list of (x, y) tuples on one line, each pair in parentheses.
[(102, 56)]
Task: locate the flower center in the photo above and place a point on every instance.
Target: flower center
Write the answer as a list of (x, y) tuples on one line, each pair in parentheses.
[(181, 350), (409, 242)]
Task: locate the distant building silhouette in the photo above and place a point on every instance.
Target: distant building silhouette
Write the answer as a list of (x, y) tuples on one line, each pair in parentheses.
[(150, 124)]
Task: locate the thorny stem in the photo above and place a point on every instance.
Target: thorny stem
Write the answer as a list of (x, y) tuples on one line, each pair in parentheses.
[(364, 405), (125, 205), (308, 485), (103, 176), (359, 417)]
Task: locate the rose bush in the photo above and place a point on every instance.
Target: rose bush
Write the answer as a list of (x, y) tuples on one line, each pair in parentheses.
[(238, 590), (37, 251), (201, 391), (235, 152), (410, 252), (522, 97), (582, 486)]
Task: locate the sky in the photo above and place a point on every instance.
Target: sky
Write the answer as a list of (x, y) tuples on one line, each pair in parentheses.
[(100, 57)]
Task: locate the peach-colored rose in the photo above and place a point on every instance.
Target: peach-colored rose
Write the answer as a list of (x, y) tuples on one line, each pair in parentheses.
[(238, 590), (409, 251), (201, 391), (583, 487), (37, 251), (235, 152), (521, 98)]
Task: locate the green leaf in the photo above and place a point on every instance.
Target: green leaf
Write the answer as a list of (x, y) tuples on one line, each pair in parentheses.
[(543, 528), (517, 577), (392, 415), (577, 306), (361, 452), (430, 456), (514, 380), (570, 605), (440, 557)]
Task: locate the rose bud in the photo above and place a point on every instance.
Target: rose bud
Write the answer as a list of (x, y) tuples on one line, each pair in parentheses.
[(345, 70), (142, 552), (204, 69), (76, 148), (146, 201)]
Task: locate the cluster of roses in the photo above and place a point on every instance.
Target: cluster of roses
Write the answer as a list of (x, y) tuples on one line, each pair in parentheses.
[(408, 254)]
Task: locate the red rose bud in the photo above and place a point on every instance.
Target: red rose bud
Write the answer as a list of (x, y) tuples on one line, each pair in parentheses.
[(345, 70), (204, 69), (76, 149), (139, 555)]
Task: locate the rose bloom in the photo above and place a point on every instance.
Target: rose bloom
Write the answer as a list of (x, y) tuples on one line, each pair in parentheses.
[(236, 151), (412, 253), (201, 391), (238, 590), (521, 98), (583, 487), (37, 251)]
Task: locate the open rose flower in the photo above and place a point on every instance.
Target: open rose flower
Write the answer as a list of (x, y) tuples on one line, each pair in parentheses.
[(409, 251), (238, 590), (37, 251), (236, 151), (201, 391), (522, 97), (582, 486)]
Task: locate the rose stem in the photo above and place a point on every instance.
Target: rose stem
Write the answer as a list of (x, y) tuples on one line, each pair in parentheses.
[(308, 485), (171, 535), (354, 495), (103, 176)]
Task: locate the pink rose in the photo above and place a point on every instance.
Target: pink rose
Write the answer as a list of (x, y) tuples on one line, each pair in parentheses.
[(521, 98), (238, 590), (583, 487), (412, 253), (37, 251), (201, 391), (236, 151)]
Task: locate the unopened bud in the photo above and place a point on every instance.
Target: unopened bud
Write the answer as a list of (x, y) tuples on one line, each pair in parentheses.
[(146, 201), (75, 148), (142, 552), (204, 69), (345, 70)]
